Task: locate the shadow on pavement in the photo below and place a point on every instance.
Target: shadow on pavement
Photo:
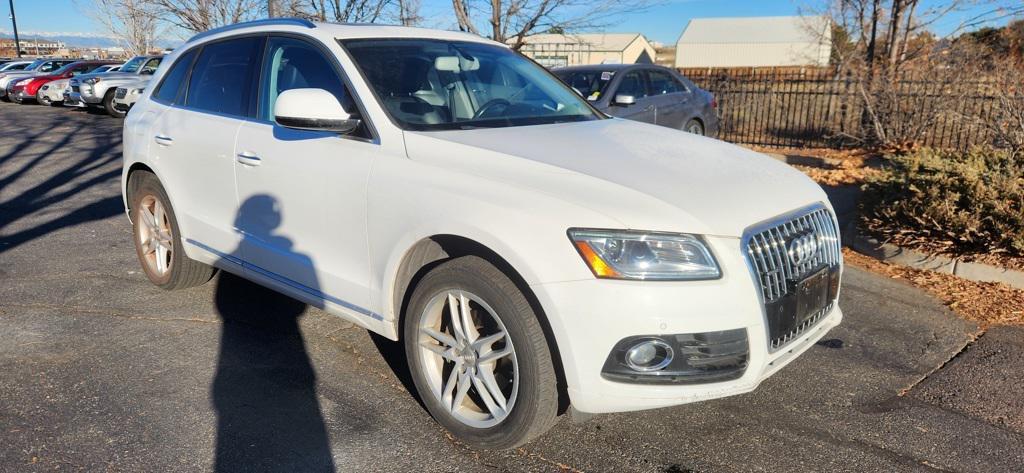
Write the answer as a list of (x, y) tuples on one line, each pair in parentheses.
[(98, 167), (264, 390)]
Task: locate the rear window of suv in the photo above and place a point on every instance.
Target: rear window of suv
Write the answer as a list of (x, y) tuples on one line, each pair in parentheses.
[(170, 88), (222, 77)]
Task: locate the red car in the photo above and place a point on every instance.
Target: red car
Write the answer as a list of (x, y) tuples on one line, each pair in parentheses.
[(27, 89)]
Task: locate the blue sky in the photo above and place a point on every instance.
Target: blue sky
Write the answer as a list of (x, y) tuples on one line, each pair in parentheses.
[(662, 23)]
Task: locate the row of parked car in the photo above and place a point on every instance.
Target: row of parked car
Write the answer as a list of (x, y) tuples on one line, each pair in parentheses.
[(107, 85)]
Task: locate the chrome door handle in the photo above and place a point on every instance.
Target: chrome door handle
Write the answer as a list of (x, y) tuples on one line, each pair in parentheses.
[(163, 140), (248, 159)]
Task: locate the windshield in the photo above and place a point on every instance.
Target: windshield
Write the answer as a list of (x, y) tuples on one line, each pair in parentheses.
[(590, 83), (14, 66), (35, 64), (442, 85), (133, 65)]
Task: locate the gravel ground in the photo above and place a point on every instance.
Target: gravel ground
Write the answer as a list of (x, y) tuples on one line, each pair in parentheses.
[(99, 370)]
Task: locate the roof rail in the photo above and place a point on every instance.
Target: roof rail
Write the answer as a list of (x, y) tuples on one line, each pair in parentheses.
[(264, 22)]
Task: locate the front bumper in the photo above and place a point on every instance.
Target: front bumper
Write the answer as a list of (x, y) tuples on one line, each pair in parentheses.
[(86, 94), (591, 316)]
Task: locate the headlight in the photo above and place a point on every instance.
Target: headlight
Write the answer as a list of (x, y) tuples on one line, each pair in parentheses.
[(616, 254), (138, 91), (23, 82), (92, 80)]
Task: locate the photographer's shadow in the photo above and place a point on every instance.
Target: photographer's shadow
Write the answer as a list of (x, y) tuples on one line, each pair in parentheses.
[(264, 391)]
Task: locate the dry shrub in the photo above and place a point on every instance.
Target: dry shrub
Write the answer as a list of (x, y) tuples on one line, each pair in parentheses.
[(953, 202)]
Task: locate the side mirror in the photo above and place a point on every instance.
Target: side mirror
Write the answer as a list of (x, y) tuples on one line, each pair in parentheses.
[(147, 72), (313, 109), (625, 100)]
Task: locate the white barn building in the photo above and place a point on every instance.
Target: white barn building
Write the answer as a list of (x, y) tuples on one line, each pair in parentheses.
[(553, 50), (755, 42)]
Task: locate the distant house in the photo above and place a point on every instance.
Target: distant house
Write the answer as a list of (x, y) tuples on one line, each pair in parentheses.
[(554, 50), (755, 42)]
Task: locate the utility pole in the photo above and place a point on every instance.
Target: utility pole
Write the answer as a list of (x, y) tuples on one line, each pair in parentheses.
[(14, 21), (270, 8)]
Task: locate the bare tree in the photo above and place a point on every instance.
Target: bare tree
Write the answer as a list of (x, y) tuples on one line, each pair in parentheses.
[(202, 15), (135, 24), (511, 21), (405, 12), (907, 79)]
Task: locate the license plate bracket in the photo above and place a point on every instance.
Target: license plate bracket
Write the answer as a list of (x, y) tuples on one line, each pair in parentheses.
[(806, 298)]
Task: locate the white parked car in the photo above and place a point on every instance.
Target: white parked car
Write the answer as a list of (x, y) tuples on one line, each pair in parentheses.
[(440, 189), (52, 93), (126, 95)]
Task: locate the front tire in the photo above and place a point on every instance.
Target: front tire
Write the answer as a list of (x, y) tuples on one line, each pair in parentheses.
[(158, 239), (478, 355), (108, 104), (43, 99)]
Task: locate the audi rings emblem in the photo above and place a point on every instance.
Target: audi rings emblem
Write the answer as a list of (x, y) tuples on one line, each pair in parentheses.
[(802, 248)]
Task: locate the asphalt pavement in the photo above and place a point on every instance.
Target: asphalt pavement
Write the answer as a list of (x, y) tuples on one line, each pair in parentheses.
[(101, 371)]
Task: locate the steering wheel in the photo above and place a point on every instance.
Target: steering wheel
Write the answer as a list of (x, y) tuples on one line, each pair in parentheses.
[(487, 106)]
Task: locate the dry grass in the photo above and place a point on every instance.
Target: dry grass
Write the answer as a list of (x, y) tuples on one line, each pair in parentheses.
[(985, 303)]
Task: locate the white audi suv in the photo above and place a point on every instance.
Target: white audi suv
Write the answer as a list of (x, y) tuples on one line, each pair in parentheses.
[(532, 254)]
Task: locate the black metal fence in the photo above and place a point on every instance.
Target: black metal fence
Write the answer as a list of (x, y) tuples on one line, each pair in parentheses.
[(823, 109)]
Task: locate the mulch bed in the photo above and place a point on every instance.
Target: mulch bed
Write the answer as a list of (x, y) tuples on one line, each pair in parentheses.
[(982, 302)]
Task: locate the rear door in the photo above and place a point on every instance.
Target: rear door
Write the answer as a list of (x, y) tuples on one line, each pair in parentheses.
[(673, 101), (195, 140), (633, 83)]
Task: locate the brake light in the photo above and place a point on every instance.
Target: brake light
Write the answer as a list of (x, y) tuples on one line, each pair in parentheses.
[(714, 102)]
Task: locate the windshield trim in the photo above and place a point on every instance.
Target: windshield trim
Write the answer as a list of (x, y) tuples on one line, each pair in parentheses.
[(598, 115)]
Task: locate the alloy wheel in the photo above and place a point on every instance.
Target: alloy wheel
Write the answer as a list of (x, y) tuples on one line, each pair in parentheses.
[(468, 358), (155, 236)]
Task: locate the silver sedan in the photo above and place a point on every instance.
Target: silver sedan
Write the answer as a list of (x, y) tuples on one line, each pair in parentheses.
[(645, 93)]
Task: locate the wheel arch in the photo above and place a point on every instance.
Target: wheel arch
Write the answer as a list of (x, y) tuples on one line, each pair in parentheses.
[(132, 172), (431, 251)]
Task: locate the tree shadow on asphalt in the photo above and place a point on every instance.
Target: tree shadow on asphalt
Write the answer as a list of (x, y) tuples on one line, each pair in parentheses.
[(264, 391), (66, 184)]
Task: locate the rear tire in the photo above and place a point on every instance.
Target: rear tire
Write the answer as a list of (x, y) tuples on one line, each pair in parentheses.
[(694, 126), (158, 243), (517, 366), (43, 99), (108, 104)]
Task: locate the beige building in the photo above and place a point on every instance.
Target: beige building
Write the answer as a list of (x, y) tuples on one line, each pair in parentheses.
[(755, 42), (553, 50), (31, 47)]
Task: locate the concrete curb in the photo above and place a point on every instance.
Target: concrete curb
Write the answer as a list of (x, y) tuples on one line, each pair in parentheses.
[(890, 253)]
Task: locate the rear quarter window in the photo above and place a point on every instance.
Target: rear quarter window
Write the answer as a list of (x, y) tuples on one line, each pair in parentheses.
[(170, 90)]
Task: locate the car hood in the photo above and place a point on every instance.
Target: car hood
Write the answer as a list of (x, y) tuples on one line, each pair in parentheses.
[(645, 176), (119, 76), (6, 77), (137, 82)]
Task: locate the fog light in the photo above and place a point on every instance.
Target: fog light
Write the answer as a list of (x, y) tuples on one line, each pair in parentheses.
[(649, 355)]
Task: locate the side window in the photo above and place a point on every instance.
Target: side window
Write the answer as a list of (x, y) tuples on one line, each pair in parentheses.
[(150, 66), (663, 83), (221, 79), (170, 88), (48, 67), (294, 64), (632, 84)]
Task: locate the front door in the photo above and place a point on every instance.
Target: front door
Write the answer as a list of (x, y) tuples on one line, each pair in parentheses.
[(302, 194), (633, 84)]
